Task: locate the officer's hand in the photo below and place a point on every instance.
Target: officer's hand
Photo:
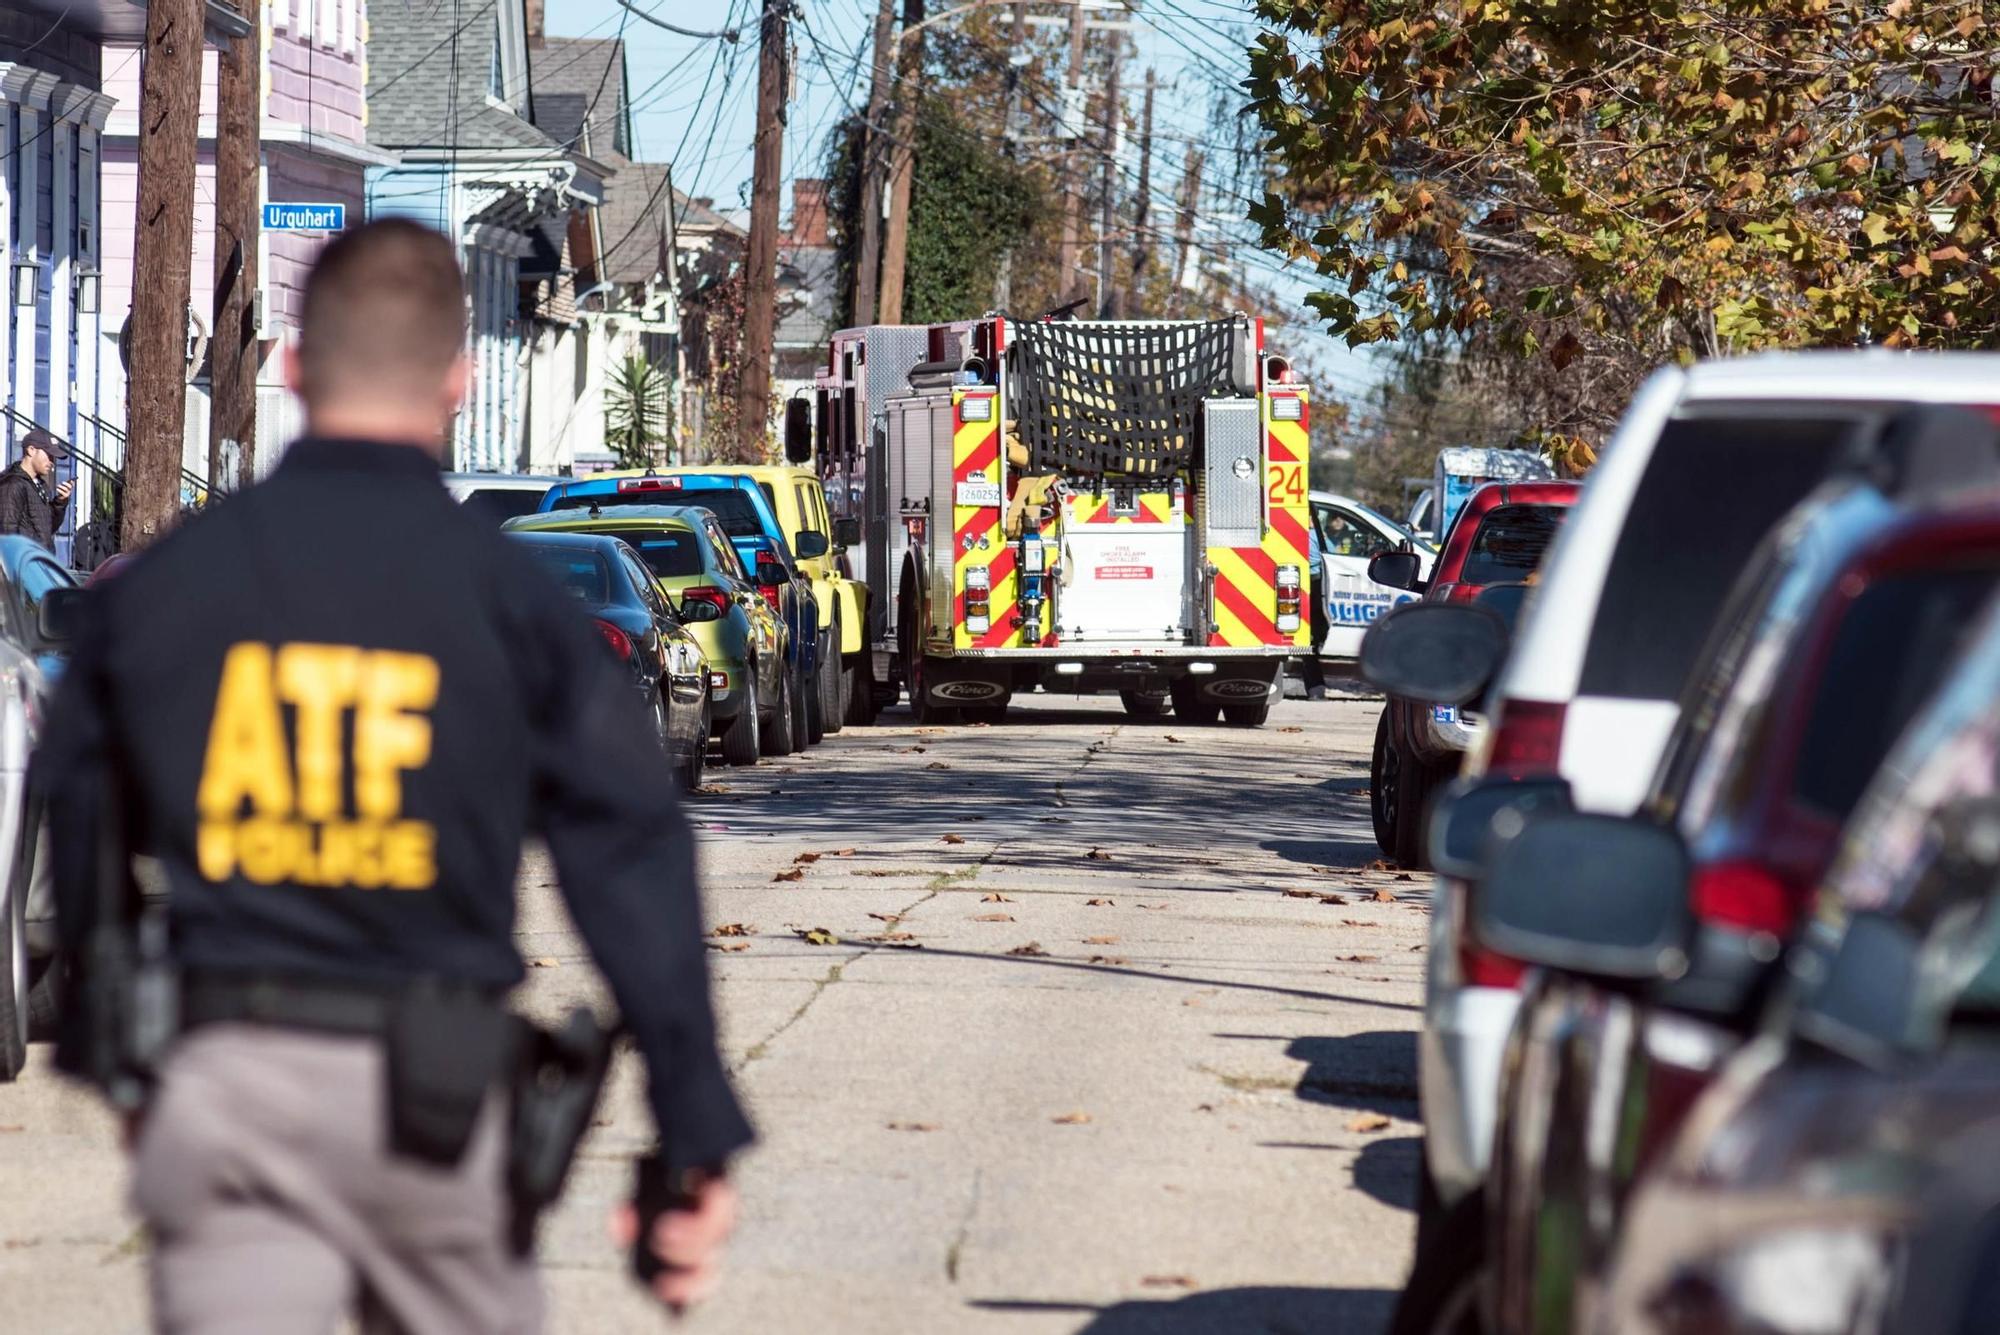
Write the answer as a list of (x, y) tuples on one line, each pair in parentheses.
[(63, 490), (687, 1241)]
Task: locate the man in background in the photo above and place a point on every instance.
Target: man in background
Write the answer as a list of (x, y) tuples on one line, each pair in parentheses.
[(29, 505)]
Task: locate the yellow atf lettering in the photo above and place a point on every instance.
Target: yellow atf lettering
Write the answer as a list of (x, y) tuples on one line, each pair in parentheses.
[(246, 741), (388, 737), (318, 681)]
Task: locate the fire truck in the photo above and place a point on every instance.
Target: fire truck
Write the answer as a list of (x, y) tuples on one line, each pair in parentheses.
[(1076, 505)]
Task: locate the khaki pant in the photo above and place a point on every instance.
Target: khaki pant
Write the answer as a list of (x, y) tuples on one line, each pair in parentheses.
[(275, 1207)]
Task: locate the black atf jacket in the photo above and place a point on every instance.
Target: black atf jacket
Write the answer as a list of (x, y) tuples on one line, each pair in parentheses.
[(335, 704), (28, 508)]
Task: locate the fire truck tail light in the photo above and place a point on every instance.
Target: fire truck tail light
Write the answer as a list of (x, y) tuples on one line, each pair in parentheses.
[(1288, 598), (976, 409), (1287, 408), (978, 600)]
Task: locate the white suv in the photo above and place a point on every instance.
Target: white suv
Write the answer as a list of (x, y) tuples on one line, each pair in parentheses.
[(1704, 462)]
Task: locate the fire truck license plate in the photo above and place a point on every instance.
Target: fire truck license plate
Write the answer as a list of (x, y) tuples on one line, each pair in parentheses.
[(979, 491)]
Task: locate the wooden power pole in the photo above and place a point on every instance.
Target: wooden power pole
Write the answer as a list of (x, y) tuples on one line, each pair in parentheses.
[(1067, 277), (902, 163), (232, 373), (1142, 240), (1107, 212), (760, 313), (874, 168), (156, 386)]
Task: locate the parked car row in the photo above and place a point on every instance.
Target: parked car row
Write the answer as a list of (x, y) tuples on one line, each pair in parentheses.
[(1715, 955)]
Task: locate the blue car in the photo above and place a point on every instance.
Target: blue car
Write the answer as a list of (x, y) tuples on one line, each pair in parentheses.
[(753, 529)]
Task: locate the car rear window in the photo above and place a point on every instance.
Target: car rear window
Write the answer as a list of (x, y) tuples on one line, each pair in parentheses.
[(667, 552), (1890, 652), (500, 504), (734, 508), (1510, 543), (582, 573), (1712, 489)]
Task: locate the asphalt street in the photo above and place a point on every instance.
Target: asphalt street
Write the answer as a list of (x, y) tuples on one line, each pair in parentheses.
[(1072, 1024)]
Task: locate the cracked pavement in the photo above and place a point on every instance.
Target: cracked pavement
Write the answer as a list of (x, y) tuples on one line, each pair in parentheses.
[(1111, 1031)]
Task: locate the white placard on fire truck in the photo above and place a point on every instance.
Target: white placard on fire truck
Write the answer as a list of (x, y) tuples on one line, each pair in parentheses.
[(979, 491)]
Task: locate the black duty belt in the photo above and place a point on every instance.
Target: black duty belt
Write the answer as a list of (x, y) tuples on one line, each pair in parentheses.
[(289, 1003)]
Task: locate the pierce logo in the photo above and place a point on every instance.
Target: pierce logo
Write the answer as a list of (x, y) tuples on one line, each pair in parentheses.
[(1238, 688), (966, 690)]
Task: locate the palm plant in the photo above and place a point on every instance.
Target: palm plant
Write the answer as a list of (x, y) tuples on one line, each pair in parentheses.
[(638, 412)]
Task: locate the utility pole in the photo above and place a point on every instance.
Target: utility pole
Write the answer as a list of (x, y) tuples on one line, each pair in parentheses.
[(1184, 226), (874, 168), (1142, 241), (902, 163), (1003, 278), (232, 351), (1067, 280), (760, 304), (156, 391), (1107, 212)]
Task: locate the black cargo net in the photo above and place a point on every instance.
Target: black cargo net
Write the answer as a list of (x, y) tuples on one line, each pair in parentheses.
[(1101, 398)]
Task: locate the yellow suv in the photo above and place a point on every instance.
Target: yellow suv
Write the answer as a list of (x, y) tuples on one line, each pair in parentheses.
[(795, 493)]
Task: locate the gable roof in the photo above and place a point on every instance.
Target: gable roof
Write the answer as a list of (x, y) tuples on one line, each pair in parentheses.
[(577, 79), (429, 69)]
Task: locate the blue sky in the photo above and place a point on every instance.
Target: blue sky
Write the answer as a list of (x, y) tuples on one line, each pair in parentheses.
[(694, 103)]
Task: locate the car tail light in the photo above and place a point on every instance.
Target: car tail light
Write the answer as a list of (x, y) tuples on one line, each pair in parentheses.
[(1528, 740), (649, 484), (978, 600), (620, 642), (707, 593), (1288, 599), (770, 592), (719, 680), (1745, 895)]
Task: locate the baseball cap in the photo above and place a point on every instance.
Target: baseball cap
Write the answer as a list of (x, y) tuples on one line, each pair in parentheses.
[(37, 438)]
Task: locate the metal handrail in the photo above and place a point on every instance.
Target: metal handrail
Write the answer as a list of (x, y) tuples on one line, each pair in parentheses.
[(95, 464), (103, 425)]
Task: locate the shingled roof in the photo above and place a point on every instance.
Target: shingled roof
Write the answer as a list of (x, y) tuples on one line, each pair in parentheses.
[(416, 55), (575, 78)]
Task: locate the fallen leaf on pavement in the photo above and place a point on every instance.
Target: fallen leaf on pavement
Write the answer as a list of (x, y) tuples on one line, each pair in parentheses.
[(1204, 1107), (887, 917), (891, 936), (734, 929), (1291, 727), (1357, 922), (1100, 940), (1385, 897), (712, 789), (1333, 899), (1170, 737), (996, 898), (1405, 876), (843, 852), (1098, 855), (795, 874), (993, 917), (1381, 864), (906, 750), (1114, 960), (1032, 948), (913, 1126), (1168, 1282), (937, 764), (1367, 1121), (1360, 959), (1071, 1119), (1300, 894), (1156, 906), (952, 839), (1100, 903), (806, 858), (816, 936), (11, 1127), (727, 945), (544, 962)]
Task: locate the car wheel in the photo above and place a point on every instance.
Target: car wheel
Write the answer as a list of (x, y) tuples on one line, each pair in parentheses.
[(832, 685), (1382, 786), (1146, 704), (858, 683), (1247, 716), (14, 984), (1443, 1292), (776, 727), (1416, 781), (1189, 707), (740, 740), (804, 700)]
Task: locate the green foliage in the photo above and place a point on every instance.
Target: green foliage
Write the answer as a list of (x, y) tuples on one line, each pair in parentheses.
[(968, 204), (1636, 179), (638, 412)]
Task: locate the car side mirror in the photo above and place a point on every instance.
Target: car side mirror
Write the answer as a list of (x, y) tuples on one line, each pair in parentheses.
[(1396, 570), (798, 431), (694, 610), (847, 532), (1474, 816), (811, 542), (770, 573), (1601, 896), (61, 614), (1446, 652)]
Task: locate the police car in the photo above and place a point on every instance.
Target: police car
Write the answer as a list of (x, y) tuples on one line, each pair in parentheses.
[(1345, 535)]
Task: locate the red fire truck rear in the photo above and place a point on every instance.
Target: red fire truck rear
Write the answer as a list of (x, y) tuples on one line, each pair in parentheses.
[(1069, 504)]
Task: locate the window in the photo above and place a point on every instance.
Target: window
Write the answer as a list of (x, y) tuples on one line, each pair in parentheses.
[(733, 508), (1712, 489), (642, 582), (1344, 534), (725, 554), (580, 571), (501, 504), (496, 79), (1510, 543), (670, 553)]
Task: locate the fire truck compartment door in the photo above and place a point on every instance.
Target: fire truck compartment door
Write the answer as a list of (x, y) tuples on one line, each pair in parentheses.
[(1125, 583)]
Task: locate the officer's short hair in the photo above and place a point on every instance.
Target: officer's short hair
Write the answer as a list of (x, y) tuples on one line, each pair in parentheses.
[(384, 310)]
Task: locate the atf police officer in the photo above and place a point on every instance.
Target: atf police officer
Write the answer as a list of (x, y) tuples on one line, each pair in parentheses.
[(326, 712)]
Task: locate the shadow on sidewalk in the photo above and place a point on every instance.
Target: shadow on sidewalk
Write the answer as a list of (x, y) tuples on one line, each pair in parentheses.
[(1247, 1311)]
